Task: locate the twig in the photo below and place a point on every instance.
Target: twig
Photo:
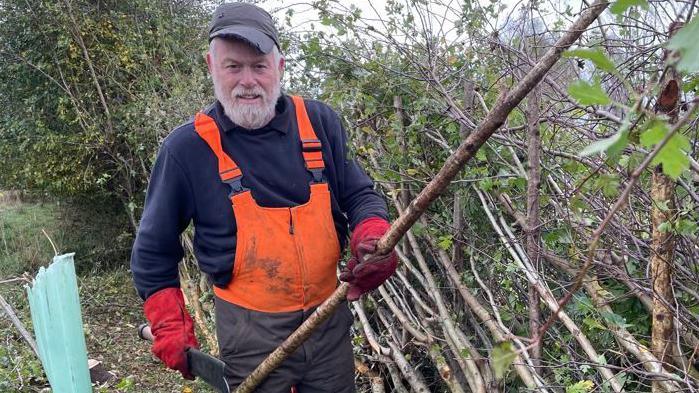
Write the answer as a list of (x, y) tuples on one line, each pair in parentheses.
[(417, 384), (403, 319), (375, 380), (55, 250), (14, 280), (20, 327), (368, 331)]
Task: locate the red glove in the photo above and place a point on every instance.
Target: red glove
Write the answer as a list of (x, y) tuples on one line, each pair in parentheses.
[(364, 276), (172, 328)]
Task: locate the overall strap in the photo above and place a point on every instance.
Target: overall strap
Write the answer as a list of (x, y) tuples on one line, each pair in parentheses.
[(229, 171), (310, 144)]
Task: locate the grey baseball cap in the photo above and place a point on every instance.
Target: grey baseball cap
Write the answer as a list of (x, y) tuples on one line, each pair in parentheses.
[(244, 21)]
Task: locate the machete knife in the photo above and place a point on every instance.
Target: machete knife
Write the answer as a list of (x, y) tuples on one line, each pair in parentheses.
[(201, 364), (208, 368)]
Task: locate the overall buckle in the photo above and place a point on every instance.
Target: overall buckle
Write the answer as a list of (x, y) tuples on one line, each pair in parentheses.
[(236, 186), (310, 145), (317, 175)]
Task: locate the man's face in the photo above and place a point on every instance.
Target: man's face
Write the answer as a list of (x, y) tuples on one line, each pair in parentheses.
[(246, 82)]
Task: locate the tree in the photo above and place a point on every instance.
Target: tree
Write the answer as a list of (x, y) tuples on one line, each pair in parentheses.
[(93, 87)]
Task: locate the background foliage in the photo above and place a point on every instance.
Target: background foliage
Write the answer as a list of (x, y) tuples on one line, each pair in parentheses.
[(90, 89)]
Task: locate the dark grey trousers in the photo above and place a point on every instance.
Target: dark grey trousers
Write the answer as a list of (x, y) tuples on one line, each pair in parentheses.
[(324, 363)]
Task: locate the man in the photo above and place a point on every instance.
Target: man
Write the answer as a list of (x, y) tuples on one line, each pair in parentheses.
[(266, 181)]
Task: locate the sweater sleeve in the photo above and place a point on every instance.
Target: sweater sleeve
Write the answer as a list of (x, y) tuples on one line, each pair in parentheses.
[(168, 210), (357, 196)]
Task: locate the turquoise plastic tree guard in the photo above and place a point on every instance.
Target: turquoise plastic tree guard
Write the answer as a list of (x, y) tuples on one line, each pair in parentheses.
[(58, 326)]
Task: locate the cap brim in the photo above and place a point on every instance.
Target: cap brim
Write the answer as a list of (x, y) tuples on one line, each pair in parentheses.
[(254, 37)]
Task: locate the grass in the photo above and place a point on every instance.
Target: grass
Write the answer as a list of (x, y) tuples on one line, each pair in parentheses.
[(23, 246), (95, 231)]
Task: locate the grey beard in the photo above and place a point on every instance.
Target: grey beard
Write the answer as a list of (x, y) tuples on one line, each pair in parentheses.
[(250, 117)]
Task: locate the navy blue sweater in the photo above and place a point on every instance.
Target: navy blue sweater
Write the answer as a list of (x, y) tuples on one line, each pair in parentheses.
[(185, 187)]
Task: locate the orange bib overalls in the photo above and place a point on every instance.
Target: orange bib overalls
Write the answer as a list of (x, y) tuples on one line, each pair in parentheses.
[(285, 265), (285, 258)]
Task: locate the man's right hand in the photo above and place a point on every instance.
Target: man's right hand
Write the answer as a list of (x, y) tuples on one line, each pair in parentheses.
[(172, 328)]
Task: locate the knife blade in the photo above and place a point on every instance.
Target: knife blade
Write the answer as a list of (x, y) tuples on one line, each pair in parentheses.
[(208, 368)]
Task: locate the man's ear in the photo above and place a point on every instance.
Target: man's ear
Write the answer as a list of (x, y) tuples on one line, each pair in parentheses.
[(209, 61), (282, 65)]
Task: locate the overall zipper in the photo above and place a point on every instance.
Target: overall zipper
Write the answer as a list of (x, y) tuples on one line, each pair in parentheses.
[(291, 223)]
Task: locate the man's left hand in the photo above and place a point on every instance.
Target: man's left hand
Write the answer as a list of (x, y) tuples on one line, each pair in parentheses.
[(366, 275)]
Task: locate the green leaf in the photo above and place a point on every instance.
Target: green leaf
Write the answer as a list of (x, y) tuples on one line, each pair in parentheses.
[(691, 85), (486, 184), (612, 145), (581, 387), (579, 205), (502, 357), (596, 56), (481, 155), (663, 206), (672, 156), (686, 227), (588, 94), (664, 227), (583, 303), (654, 133), (601, 359), (614, 319), (685, 41), (620, 6), (445, 242), (519, 183), (632, 266), (505, 315), (592, 324), (418, 229), (609, 184), (125, 384)]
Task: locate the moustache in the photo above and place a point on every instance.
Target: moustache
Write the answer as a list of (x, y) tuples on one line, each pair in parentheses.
[(248, 93)]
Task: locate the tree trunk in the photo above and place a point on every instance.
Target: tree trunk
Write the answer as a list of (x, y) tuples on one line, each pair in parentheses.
[(663, 242)]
